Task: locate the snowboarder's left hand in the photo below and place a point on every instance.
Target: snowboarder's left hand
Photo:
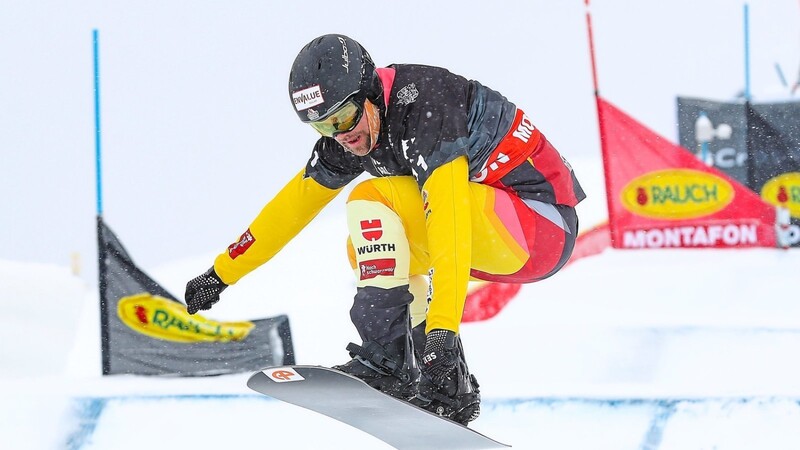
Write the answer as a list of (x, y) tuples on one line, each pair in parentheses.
[(202, 292)]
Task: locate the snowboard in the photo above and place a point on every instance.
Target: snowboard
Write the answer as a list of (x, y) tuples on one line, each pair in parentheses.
[(349, 400)]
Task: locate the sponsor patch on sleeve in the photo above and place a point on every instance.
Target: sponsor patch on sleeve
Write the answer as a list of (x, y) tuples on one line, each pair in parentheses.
[(377, 267), (239, 247)]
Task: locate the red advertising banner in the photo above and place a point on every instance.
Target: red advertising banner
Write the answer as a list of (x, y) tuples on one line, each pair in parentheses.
[(661, 196)]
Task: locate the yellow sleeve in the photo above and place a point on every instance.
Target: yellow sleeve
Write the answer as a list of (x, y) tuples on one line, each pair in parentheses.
[(449, 226), (277, 223)]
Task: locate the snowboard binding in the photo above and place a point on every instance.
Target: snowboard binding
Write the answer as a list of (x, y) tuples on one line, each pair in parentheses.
[(383, 370)]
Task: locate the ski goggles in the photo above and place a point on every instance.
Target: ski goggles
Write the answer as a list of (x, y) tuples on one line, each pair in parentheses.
[(342, 120)]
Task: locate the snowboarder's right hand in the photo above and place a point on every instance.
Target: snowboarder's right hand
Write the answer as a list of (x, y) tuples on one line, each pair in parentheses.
[(439, 358), (203, 291)]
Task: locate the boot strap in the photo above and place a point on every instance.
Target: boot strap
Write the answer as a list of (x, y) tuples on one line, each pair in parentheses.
[(377, 360)]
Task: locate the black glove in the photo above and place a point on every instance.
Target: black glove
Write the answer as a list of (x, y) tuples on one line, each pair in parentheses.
[(440, 356), (203, 291)]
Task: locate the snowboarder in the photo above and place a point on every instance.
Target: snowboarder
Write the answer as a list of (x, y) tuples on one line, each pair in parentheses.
[(466, 187)]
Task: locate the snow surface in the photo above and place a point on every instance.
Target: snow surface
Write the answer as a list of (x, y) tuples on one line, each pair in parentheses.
[(642, 349)]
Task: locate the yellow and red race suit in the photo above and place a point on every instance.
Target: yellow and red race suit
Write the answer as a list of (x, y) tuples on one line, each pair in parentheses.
[(467, 187)]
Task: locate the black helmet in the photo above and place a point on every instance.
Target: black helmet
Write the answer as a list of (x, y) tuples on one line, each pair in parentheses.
[(327, 72)]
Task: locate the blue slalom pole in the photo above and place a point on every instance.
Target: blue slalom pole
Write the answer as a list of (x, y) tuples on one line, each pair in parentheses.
[(105, 354), (746, 52), (98, 166)]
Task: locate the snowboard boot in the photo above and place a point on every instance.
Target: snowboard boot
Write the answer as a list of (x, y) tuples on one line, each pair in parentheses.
[(386, 369), (453, 392)]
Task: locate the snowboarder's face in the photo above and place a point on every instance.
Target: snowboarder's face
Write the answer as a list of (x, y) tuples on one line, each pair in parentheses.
[(361, 139)]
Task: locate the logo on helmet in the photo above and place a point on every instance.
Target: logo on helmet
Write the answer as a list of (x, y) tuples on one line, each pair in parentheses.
[(345, 56), (308, 97), (313, 114)]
